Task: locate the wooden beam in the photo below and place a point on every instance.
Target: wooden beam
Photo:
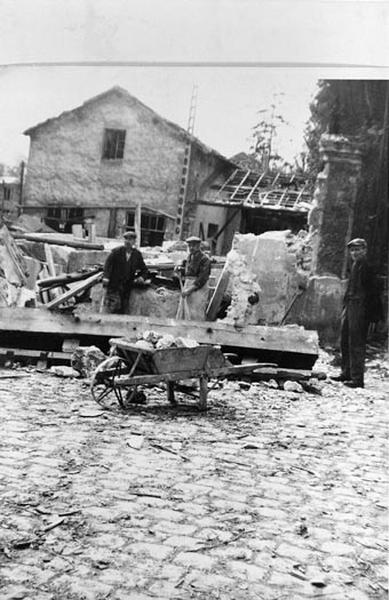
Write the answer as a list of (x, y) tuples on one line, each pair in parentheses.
[(80, 287), (49, 260), (51, 238), (293, 339), (217, 296), (65, 278)]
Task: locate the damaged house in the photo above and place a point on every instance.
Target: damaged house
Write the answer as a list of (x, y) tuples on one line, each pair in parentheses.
[(112, 153), (105, 158)]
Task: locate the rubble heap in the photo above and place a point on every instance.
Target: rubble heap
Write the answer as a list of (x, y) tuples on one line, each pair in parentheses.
[(242, 286), (150, 340)]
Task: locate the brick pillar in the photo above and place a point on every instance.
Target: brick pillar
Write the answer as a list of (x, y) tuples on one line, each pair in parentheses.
[(331, 217)]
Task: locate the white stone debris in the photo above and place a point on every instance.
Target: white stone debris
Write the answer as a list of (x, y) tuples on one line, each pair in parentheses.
[(293, 386), (85, 359), (150, 340), (64, 371), (243, 285)]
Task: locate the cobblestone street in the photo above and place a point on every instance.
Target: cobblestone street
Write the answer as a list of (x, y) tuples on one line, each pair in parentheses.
[(270, 495)]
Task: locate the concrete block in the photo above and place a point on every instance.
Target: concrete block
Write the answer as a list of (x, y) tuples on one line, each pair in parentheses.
[(271, 260)]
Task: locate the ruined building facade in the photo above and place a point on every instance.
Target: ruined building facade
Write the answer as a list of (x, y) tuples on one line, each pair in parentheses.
[(105, 157)]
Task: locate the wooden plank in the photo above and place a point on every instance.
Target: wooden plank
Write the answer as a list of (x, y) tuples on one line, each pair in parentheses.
[(185, 374), (266, 373), (80, 287), (293, 339), (65, 278), (50, 238), (49, 260), (217, 296)]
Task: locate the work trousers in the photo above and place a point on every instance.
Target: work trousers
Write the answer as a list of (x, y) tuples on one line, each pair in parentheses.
[(353, 340), (194, 306), (116, 302)]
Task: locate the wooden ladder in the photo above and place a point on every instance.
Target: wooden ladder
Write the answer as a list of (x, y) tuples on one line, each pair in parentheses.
[(179, 225)]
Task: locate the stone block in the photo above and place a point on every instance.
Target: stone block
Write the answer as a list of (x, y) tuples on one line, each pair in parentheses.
[(270, 261)]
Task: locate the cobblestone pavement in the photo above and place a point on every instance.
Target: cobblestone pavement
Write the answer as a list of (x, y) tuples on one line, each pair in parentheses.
[(270, 495)]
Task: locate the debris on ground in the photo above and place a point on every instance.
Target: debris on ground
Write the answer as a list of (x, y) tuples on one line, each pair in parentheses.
[(293, 386), (86, 359), (64, 371)]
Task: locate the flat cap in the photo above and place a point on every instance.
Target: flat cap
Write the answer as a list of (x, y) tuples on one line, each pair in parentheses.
[(358, 242), (193, 239), (129, 234)]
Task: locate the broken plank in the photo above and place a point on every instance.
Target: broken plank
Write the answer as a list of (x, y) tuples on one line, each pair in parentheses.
[(266, 373), (217, 296), (57, 240), (49, 260), (60, 280), (81, 287)]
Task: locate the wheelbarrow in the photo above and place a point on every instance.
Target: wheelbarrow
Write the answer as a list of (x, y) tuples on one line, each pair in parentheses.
[(118, 378)]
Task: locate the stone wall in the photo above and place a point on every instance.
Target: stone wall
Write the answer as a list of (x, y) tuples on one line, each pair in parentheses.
[(330, 228), (66, 167), (332, 214)]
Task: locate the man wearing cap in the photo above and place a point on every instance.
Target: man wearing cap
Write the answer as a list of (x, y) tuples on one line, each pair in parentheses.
[(124, 266), (361, 306), (194, 295)]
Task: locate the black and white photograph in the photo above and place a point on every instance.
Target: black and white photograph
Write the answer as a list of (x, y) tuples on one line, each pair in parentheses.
[(194, 299)]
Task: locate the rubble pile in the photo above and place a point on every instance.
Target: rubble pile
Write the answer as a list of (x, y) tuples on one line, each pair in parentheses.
[(15, 287), (150, 340), (86, 359), (242, 286)]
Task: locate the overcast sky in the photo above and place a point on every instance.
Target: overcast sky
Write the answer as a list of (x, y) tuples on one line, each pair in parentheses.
[(244, 51)]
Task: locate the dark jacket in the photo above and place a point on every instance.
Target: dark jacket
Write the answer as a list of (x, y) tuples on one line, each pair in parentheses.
[(197, 265), (362, 287), (120, 272)]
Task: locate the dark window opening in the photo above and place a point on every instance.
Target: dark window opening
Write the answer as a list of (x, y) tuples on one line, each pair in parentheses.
[(62, 218), (113, 145), (212, 230), (7, 193), (152, 228)]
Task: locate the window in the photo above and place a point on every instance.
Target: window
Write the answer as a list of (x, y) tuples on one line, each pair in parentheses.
[(152, 227), (113, 146), (212, 230), (61, 218)]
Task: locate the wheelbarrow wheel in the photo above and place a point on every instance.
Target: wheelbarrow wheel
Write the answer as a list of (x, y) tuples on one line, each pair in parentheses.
[(103, 385)]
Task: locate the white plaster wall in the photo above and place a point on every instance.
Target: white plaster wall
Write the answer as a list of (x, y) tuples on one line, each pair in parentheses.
[(65, 164)]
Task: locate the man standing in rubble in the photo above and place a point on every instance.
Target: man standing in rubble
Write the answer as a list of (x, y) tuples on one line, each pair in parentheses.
[(194, 294), (361, 306), (124, 267)]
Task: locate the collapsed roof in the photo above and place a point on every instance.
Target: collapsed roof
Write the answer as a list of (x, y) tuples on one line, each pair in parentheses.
[(275, 191)]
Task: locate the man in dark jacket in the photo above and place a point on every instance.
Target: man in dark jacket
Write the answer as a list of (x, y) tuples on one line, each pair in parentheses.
[(361, 306), (196, 270), (124, 267)]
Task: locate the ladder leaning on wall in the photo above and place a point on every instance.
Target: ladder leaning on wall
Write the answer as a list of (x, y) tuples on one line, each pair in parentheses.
[(179, 225)]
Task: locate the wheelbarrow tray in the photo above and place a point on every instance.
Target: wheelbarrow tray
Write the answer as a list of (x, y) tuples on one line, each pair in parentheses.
[(168, 360)]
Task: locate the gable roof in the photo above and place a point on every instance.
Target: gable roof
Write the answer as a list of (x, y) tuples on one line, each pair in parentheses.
[(122, 93)]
